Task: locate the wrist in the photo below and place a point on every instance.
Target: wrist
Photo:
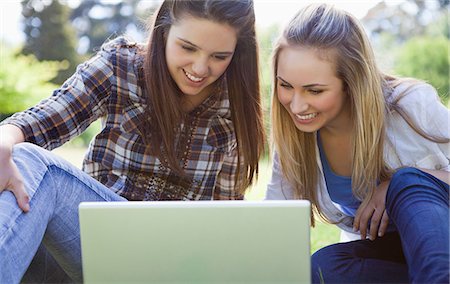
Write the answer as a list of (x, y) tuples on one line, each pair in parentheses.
[(5, 150), (9, 136)]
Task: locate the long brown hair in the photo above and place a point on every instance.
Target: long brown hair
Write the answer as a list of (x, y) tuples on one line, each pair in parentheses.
[(241, 77)]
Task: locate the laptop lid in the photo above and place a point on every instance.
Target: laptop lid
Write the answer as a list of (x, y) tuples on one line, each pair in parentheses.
[(196, 242)]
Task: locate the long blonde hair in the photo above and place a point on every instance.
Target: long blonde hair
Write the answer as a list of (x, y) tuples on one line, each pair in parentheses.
[(325, 28)]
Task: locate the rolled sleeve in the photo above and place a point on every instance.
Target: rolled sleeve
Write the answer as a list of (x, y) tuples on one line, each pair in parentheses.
[(71, 108)]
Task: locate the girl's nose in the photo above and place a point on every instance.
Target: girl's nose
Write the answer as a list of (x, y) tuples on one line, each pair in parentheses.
[(298, 103), (200, 67)]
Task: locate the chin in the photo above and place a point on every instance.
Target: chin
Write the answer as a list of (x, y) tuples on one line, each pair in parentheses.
[(306, 129), (190, 92)]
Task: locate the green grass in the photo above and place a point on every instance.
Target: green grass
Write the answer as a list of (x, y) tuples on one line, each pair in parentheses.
[(321, 235)]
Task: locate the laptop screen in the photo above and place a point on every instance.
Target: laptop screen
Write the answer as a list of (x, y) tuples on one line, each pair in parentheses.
[(196, 241)]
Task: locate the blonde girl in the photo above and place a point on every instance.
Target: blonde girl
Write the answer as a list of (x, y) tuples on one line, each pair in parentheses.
[(370, 151)]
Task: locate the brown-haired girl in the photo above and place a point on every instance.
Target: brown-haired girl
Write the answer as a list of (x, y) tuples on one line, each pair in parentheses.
[(181, 120)]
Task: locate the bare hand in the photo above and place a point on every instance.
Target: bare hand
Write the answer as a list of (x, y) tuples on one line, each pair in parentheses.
[(11, 179), (375, 212)]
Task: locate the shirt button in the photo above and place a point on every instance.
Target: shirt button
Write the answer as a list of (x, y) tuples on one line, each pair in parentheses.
[(437, 166)]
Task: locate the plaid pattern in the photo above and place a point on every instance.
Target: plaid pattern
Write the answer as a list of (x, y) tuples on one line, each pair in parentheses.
[(107, 87)]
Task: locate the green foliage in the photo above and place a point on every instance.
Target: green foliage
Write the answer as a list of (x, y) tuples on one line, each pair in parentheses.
[(23, 80), (411, 43), (266, 39), (440, 26), (323, 235), (426, 58), (49, 35)]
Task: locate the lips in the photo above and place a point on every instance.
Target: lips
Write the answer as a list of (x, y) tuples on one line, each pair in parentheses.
[(308, 116), (192, 77)]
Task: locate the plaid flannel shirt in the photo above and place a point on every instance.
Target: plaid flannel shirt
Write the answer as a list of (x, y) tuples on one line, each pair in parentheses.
[(107, 87)]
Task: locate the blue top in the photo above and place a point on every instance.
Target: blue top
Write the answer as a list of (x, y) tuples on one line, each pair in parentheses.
[(339, 187)]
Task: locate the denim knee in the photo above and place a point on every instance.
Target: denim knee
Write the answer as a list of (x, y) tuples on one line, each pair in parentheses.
[(32, 162), (29, 152), (401, 180), (28, 155), (25, 146), (411, 180), (404, 177)]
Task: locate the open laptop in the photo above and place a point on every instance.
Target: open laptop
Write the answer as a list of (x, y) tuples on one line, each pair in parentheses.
[(196, 242)]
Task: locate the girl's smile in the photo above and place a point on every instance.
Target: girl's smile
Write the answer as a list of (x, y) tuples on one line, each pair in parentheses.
[(310, 91), (192, 78), (198, 52)]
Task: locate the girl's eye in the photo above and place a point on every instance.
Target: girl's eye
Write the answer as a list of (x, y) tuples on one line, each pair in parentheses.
[(285, 86), (315, 92), (188, 48), (220, 57)]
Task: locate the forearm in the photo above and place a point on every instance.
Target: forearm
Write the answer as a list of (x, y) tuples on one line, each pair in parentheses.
[(9, 136)]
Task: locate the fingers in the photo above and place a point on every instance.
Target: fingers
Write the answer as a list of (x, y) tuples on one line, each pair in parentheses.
[(357, 219), (18, 189), (11, 180), (379, 221), (363, 221), (374, 211), (375, 223), (21, 195), (384, 224)]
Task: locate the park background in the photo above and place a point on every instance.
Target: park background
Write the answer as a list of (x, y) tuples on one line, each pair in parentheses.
[(42, 41)]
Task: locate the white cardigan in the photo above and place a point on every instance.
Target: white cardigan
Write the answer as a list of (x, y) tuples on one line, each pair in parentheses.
[(403, 147)]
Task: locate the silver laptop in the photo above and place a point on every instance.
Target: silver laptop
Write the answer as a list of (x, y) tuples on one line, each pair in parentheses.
[(196, 242)]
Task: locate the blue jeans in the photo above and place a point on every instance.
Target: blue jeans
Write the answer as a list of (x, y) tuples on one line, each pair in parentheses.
[(56, 188), (418, 252)]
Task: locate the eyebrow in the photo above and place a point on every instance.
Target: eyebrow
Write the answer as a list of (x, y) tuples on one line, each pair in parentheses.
[(196, 46), (304, 86)]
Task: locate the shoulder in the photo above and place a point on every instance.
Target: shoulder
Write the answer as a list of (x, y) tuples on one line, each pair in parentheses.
[(411, 93), (122, 52), (121, 44), (419, 101), (419, 106)]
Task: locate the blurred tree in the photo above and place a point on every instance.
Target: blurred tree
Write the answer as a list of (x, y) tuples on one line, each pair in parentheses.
[(405, 19), (426, 58), (266, 38), (56, 31), (49, 35), (25, 82), (98, 20), (411, 38)]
